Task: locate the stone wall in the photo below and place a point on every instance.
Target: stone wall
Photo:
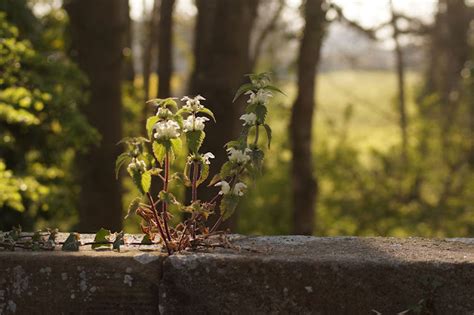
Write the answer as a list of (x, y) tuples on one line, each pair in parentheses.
[(287, 274)]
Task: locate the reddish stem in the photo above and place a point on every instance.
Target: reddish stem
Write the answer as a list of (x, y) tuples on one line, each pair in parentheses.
[(158, 224), (194, 182), (165, 188)]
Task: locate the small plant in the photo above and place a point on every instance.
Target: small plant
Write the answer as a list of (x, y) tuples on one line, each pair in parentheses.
[(153, 156)]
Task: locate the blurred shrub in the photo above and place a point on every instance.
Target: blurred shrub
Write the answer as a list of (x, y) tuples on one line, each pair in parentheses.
[(41, 127)]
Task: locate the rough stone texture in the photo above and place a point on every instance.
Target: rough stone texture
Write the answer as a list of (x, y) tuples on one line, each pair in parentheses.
[(308, 275), (288, 274), (79, 282)]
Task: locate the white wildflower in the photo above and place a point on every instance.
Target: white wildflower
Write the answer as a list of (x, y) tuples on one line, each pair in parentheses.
[(194, 123), (193, 103), (238, 155), (249, 119), (261, 96), (208, 156), (225, 187), (167, 129), (136, 164), (239, 189)]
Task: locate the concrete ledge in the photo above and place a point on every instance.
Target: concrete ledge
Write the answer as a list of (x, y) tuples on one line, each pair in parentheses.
[(291, 274)]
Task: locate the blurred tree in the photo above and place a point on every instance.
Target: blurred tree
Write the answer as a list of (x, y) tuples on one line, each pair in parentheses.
[(41, 126), (98, 32), (149, 46), (221, 52), (165, 48), (400, 69), (129, 69), (301, 124), (266, 31)]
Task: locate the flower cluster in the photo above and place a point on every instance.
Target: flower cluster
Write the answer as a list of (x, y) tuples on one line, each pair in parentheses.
[(166, 129), (261, 96), (249, 119), (136, 165), (194, 123), (193, 103), (239, 156), (238, 190)]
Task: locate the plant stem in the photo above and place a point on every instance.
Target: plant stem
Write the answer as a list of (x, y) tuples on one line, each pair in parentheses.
[(194, 182), (216, 225), (158, 224), (165, 188)]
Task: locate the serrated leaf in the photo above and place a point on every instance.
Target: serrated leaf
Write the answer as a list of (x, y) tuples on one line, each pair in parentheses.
[(137, 180), (146, 181), (159, 150), (204, 174), (208, 112), (194, 140), (261, 113), (269, 133), (232, 144), (134, 204), (72, 243), (215, 179), (242, 89), (176, 146), (119, 162), (150, 122), (155, 171), (228, 205), (118, 241), (101, 237)]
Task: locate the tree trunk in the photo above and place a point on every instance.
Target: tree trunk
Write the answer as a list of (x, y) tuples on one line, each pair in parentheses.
[(301, 124), (98, 30), (151, 28), (222, 59), (129, 69), (165, 48), (400, 68)]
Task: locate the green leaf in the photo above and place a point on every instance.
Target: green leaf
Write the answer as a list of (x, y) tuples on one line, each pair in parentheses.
[(137, 180), (146, 240), (150, 122), (72, 243), (159, 150), (134, 204), (269, 133), (261, 113), (228, 205), (118, 241), (176, 146), (214, 180), (146, 181), (119, 162), (204, 174), (208, 112), (242, 89), (185, 177), (179, 120), (183, 110), (101, 237), (194, 140), (274, 89), (226, 169)]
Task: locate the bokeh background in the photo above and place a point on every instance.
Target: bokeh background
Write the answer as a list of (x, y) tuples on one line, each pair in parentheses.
[(375, 135)]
